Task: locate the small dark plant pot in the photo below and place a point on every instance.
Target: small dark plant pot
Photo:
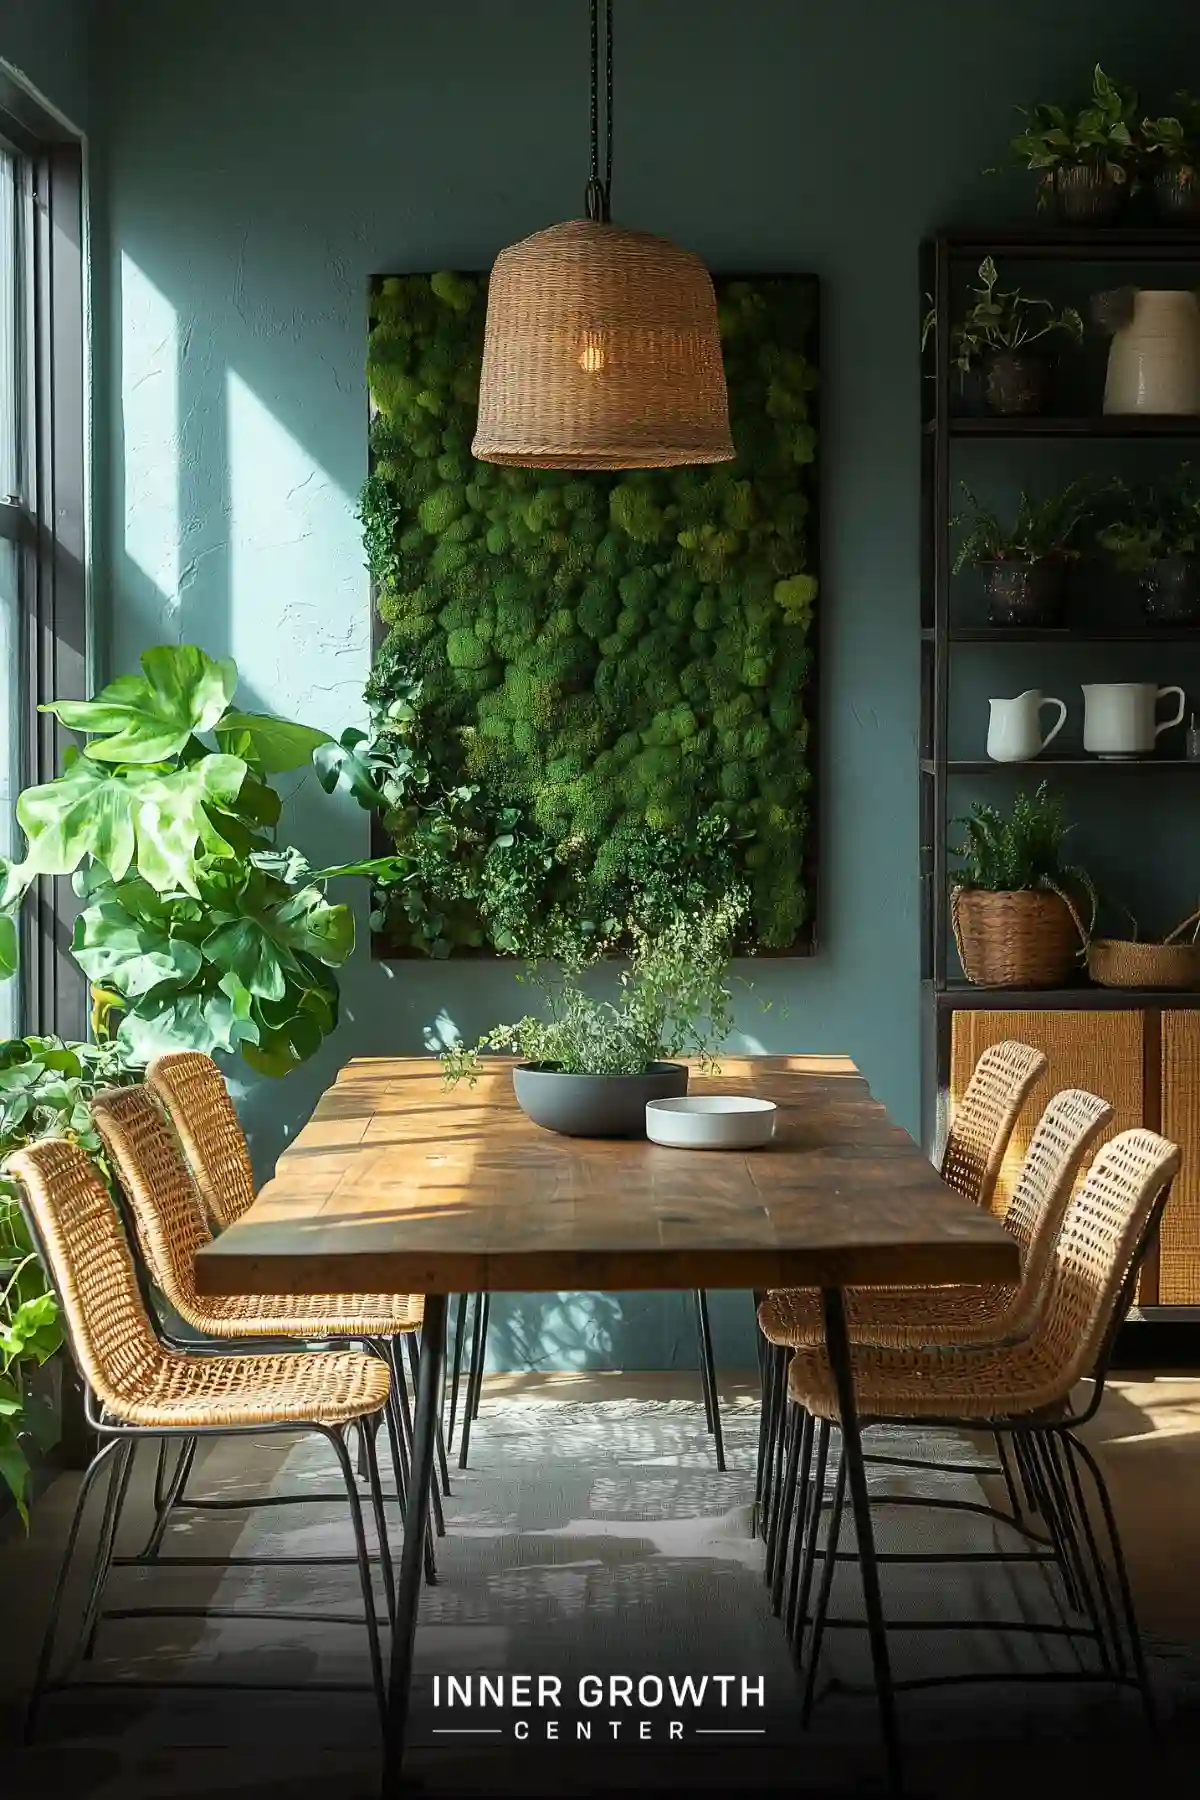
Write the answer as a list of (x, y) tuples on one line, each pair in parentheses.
[(1016, 381), (1084, 194), (1170, 590), (1026, 594), (1177, 194), (594, 1105)]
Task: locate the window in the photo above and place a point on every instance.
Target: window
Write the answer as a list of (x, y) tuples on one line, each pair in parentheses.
[(43, 616)]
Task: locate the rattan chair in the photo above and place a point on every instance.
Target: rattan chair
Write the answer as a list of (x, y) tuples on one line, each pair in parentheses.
[(137, 1389), (979, 1135), (170, 1227), (1024, 1390)]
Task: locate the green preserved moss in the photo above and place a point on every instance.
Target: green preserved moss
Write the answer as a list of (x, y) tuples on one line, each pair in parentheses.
[(609, 670)]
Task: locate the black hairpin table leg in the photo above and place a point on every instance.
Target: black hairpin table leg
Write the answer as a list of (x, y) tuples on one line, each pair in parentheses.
[(837, 1345), (416, 1525)]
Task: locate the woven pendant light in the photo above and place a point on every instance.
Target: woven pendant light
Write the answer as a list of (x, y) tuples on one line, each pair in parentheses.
[(601, 349)]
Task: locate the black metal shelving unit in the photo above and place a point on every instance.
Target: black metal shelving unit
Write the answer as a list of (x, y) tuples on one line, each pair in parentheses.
[(950, 441)]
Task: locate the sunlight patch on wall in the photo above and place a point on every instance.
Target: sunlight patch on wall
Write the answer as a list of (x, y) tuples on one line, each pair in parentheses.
[(150, 416)]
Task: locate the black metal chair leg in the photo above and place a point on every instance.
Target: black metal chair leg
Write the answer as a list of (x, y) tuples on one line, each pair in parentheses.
[(400, 1388), (337, 1439), (172, 1497), (435, 1495), (105, 1544), (812, 1527), (792, 1430), (460, 1326), (1006, 1471), (1077, 1447), (399, 1450), (773, 1511), (479, 1367), (803, 1498), (370, 1455), (827, 1568), (1098, 1597), (106, 1453), (477, 1338), (708, 1371)]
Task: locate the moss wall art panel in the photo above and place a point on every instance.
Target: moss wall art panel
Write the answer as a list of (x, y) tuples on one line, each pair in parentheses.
[(591, 693)]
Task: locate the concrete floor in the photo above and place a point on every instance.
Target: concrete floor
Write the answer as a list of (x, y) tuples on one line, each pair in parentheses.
[(1146, 1436)]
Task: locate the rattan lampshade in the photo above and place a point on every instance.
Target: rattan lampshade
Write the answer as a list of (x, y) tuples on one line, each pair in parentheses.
[(601, 352)]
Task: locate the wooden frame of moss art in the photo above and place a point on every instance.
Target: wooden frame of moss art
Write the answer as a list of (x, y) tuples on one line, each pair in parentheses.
[(593, 694)]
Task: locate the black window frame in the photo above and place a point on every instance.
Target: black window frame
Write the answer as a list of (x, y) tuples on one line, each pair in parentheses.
[(48, 520)]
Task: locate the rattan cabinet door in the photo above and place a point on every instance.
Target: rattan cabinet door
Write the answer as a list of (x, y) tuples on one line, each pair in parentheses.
[(1099, 1051), (1179, 1236)]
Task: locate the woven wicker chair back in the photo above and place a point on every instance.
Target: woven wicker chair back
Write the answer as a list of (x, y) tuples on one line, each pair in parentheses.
[(147, 1157), (193, 1090), (1002, 1081), (1103, 1230), (88, 1259), (1066, 1131)]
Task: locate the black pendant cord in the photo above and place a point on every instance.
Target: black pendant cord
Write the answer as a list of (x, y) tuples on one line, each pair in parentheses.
[(599, 187)]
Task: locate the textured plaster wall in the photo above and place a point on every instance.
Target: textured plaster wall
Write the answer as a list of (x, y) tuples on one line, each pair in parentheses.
[(267, 156)]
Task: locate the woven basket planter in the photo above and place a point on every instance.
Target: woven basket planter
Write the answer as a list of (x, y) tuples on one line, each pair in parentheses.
[(1028, 938)]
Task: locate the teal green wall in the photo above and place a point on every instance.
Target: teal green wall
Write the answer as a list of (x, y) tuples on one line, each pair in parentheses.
[(48, 41), (266, 158)]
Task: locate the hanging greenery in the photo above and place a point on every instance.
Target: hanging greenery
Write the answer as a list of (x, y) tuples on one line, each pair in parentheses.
[(589, 693)]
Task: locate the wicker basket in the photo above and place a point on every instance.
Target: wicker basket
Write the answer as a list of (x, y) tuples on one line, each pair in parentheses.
[(1122, 963), (1025, 938)]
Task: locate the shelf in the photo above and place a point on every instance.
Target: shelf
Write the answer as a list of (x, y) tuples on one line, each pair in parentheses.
[(1081, 425), (961, 996), (1068, 634), (984, 765), (1116, 243)]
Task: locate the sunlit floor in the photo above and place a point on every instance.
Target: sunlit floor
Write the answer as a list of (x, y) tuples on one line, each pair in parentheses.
[(591, 1532)]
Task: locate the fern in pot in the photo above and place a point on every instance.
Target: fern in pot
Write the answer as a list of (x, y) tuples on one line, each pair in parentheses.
[(590, 1064), (1024, 564), (1154, 536), (1014, 905)]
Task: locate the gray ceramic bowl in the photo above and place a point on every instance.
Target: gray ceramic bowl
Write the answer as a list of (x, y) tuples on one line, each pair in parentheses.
[(594, 1105)]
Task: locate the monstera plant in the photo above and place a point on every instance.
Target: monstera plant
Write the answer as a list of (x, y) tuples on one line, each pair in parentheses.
[(198, 931)]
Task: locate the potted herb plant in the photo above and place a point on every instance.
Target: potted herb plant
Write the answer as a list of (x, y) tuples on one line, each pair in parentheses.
[(1024, 564), (591, 1064), (1014, 919), (1085, 159), (1155, 537), (996, 337), (1172, 150)]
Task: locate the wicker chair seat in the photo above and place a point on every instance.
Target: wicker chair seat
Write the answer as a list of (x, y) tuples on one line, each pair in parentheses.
[(204, 1392), (298, 1315), (970, 1383), (893, 1318)]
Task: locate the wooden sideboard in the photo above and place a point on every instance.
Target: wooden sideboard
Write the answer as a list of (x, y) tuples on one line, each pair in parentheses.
[(1146, 1063)]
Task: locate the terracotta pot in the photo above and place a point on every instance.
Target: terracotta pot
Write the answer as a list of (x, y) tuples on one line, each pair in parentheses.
[(1025, 594)]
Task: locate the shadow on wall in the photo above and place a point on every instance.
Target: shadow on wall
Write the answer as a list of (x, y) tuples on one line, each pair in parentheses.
[(551, 1333)]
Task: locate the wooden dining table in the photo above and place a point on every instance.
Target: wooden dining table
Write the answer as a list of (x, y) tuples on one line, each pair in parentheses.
[(401, 1184)]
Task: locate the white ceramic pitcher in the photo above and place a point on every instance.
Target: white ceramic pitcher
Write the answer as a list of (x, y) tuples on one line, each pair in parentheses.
[(1015, 726), (1154, 360), (1120, 718)]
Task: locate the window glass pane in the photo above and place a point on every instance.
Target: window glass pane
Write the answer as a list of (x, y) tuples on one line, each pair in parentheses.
[(10, 745), (10, 327)]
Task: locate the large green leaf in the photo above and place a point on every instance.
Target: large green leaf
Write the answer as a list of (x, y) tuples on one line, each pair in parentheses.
[(261, 946), (147, 718), (130, 955), (158, 815), (275, 745), (10, 946), (208, 1019)]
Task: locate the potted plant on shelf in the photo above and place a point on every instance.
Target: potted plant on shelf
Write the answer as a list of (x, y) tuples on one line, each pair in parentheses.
[(996, 338), (1024, 564), (1085, 160), (1014, 920), (591, 1064), (1172, 154), (1155, 537)]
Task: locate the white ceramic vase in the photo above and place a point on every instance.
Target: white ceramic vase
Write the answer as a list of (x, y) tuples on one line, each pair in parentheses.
[(1154, 361)]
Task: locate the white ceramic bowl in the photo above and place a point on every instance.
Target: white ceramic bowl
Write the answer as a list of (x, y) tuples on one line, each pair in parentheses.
[(711, 1121)]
